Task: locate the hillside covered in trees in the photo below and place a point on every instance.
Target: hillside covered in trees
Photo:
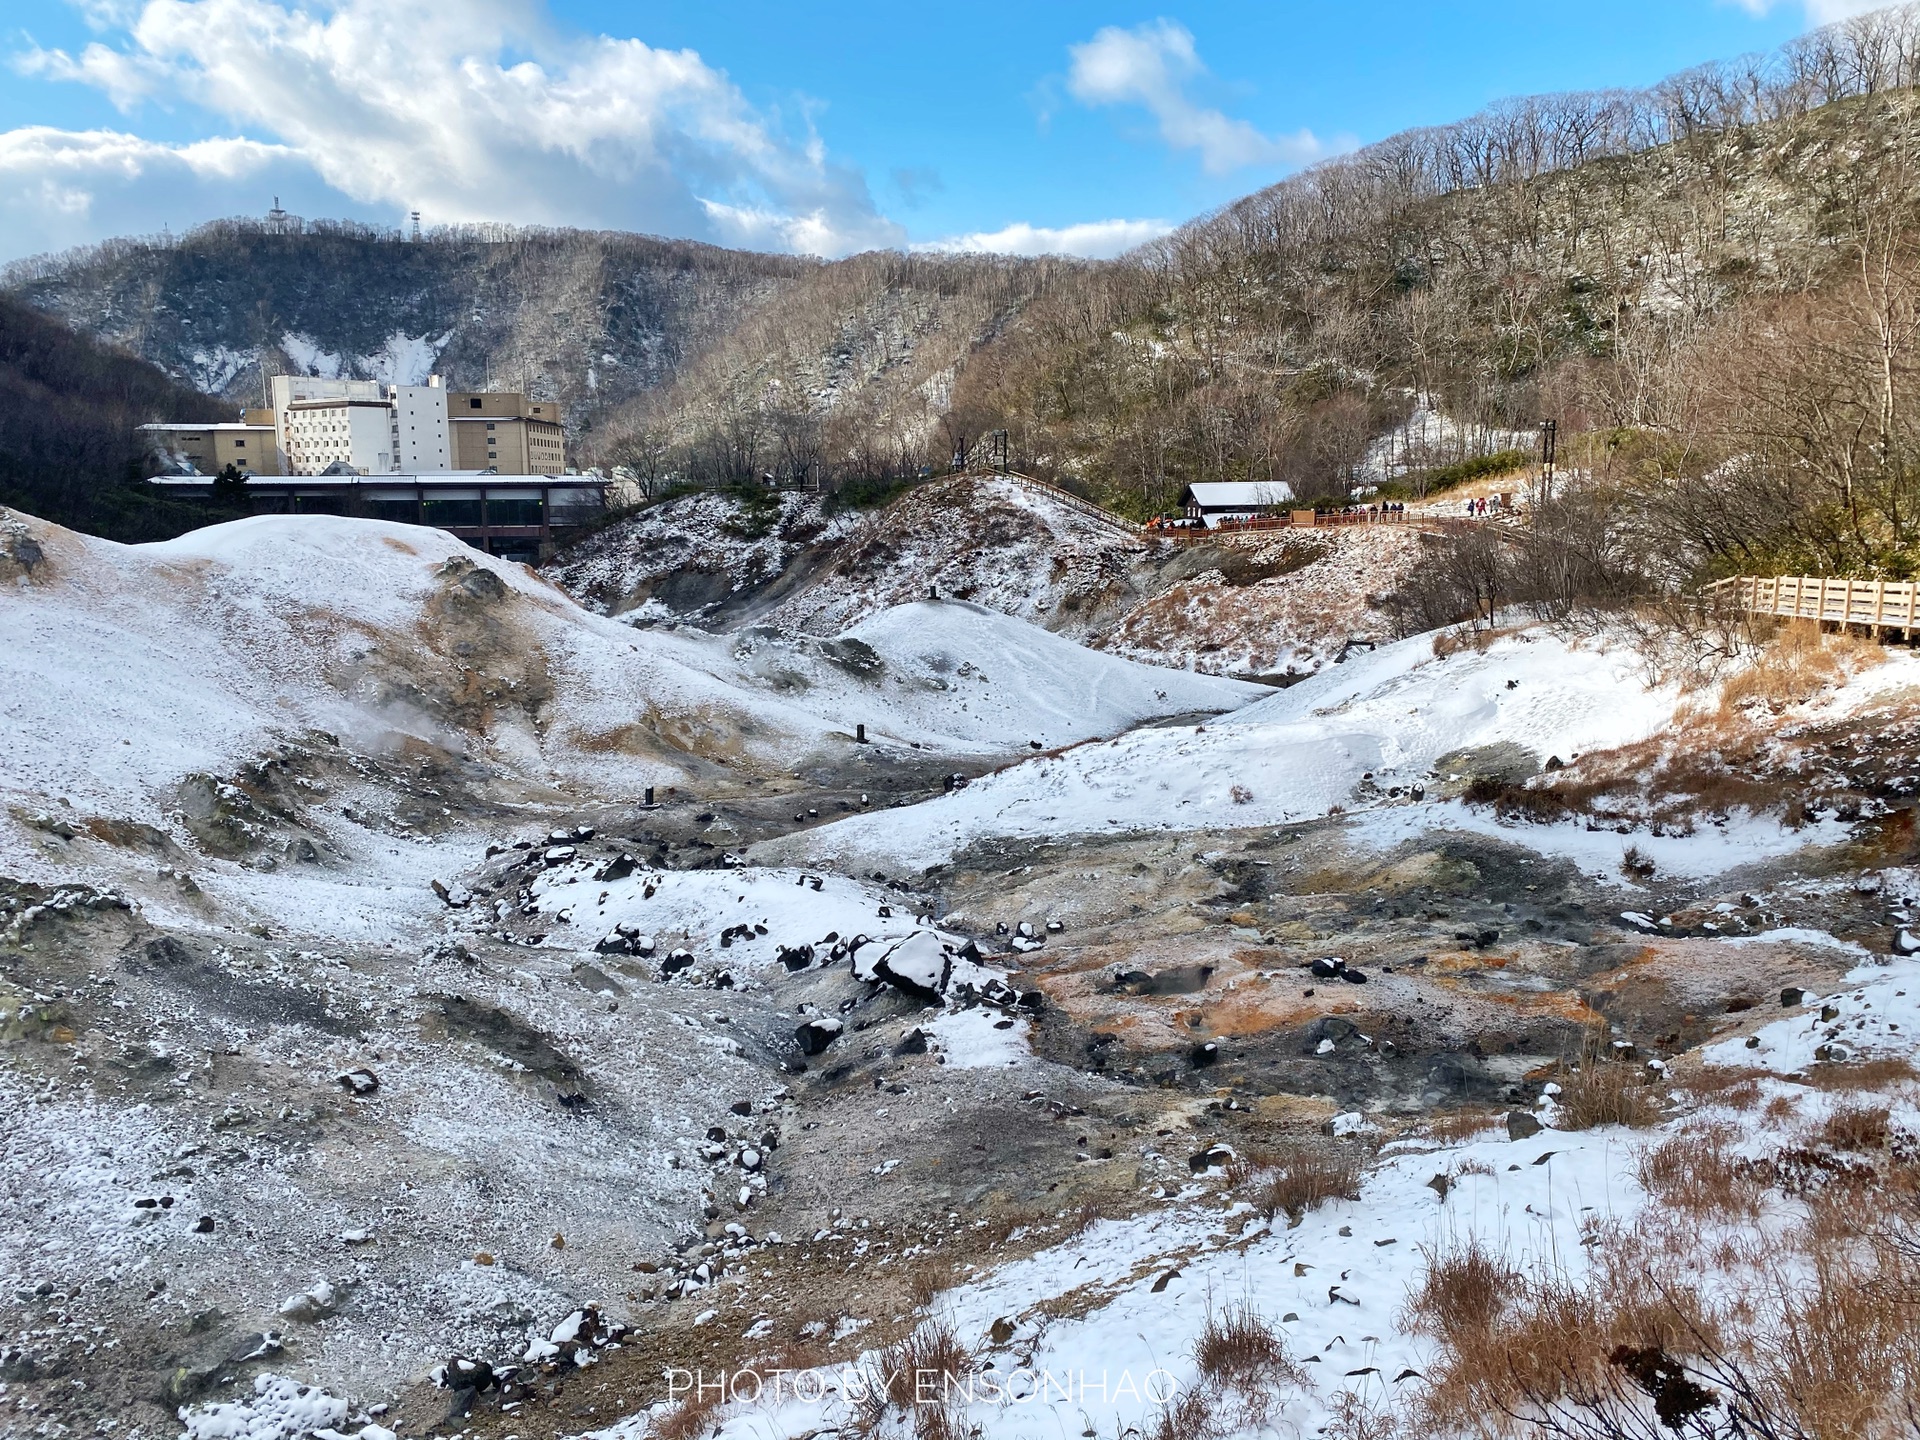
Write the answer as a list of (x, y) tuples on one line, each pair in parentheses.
[(1708, 281), (68, 407)]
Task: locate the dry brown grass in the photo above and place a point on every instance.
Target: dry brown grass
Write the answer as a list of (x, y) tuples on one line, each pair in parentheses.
[(1191, 1415), (1294, 1181), (690, 1419), (1856, 1126), (1697, 1173), (1608, 1092), (1736, 1089), (1458, 1126), (1798, 665), (1879, 1073), (1463, 1290), (1815, 1331), (1238, 1348), (923, 1377), (1552, 1338)]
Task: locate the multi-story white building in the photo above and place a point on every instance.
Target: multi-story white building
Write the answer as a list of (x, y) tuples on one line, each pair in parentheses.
[(371, 428), (323, 423), (420, 435)]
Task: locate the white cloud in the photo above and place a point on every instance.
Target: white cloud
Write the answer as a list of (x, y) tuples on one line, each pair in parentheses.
[(1152, 65), (473, 112), (64, 187), (1095, 240), (1818, 12)]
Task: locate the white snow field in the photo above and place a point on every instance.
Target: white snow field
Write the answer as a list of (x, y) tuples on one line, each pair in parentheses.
[(1384, 716), (128, 668), (1354, 738), (957, 674)]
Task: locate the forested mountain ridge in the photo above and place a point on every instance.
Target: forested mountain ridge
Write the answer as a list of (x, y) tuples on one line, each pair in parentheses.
[(1578, 257), (585, 318)]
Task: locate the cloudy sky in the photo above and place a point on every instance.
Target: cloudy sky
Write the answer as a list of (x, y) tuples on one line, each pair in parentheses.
[(1042, 125)]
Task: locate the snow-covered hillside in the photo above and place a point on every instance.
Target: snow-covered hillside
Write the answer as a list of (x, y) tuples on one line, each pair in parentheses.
[(1363, 731), (1282, 607), (143, 679)]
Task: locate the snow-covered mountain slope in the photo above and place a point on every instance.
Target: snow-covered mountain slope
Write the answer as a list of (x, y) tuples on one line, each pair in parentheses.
[(134, 669), (1365, 731), (1284, 605), (958, 674)]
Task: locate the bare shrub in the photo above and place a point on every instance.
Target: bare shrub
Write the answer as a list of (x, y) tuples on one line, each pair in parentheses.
[(1240, 1349), (1461, 1292), (1636, 863), (1295, 1181), (1852, 1126), (1696, 1172)]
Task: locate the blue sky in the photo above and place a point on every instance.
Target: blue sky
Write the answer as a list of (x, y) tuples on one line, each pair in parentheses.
[(1063, 124)]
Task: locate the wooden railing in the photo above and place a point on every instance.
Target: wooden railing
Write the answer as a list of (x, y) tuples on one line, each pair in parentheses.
[(1075, 502), (1881, 604), (1253, 528)]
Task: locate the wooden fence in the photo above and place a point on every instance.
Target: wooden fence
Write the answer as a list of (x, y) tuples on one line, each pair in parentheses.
[(1879, 604)]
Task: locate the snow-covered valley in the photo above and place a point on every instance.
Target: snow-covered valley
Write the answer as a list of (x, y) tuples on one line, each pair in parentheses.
[(432, 1004)]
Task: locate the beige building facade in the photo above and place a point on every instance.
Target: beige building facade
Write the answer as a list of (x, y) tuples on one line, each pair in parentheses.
[(209, 449), (505, 432)]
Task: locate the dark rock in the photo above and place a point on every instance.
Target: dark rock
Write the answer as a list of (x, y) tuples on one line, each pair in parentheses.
[(915, 1043), (1522, 1124), (815, 1035), (1327, 967), (1212, 1156), (358, 1081), (1354, 977), (1791, 996), (1206, 1054)]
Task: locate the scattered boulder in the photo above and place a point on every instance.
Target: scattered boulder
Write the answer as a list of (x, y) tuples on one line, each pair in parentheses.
[(1522, 1124), (1211, 1158), (359, 1081), (815, 1035), (1792, 996), (918, 965)]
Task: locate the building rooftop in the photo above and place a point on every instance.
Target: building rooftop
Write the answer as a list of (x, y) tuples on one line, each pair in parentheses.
[(209, 425), (467, 479), (1210, 494)]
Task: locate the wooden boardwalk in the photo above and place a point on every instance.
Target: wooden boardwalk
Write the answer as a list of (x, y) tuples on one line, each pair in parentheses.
[(1877, 604)]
